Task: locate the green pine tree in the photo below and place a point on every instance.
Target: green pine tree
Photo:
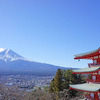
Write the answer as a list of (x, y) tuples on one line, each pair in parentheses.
[(68, 78), (63, 79), (58, 81), (51, 87)]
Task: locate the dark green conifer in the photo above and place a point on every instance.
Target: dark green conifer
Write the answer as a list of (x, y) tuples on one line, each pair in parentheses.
[(51, 87), (58, 81)]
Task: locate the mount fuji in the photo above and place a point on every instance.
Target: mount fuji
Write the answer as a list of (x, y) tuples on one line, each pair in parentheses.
[(10, 61), (9, 55)]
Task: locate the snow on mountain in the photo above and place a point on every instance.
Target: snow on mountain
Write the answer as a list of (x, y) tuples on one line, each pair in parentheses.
[(13, 62), (2, 49), (9, 55)]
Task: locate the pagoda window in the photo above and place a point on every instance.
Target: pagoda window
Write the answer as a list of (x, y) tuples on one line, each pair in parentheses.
[(95, 57), (92, 95), (94, 78), (95, 62), (94, 73), (99, 72), (99, 95)]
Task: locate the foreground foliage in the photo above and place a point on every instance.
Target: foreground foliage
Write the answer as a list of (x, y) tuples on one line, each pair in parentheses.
[(62, 80), (13, 94)]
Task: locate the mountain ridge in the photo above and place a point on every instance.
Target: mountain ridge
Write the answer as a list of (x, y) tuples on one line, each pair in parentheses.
[(11, 61)]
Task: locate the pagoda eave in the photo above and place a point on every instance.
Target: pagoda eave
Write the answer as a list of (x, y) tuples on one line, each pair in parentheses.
[(86, 70), (88, 55), (86, 87), (80, 90), (84, 58)]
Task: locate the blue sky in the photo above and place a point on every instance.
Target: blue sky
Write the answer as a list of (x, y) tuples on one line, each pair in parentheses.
[(50, 31)]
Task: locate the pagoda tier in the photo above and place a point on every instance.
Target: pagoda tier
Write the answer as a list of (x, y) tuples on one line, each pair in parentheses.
[(92, 55), (91, 91), (92, 87), (93, 71), (89, 55)]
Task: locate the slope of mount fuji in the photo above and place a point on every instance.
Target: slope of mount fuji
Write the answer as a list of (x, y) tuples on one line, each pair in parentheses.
[(13, 62)]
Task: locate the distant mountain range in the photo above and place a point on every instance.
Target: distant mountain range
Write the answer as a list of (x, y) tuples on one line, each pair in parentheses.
[(13, 62)]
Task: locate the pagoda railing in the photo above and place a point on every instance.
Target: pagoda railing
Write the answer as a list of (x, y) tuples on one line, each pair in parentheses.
[(93, 65), (91, 80), (88, 97), (90, 64)]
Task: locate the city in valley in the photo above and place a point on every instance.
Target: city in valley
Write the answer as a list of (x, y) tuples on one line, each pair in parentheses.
[(26, 82)]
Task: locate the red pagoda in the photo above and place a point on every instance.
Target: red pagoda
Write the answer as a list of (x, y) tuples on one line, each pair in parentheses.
[(91, 89)]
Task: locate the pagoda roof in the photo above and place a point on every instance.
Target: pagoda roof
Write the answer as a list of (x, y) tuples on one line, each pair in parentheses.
[(86, 70), (87, 55), (88, 87)]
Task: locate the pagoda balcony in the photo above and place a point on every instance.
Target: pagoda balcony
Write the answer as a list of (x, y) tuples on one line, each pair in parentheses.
[(93, 65), (88, 97), (91, 80)]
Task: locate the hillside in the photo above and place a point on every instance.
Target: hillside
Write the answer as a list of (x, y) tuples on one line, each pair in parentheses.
[(13, 62)]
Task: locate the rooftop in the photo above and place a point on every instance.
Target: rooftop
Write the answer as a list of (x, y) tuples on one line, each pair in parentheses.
[(87, 55), (86, 70), (86, 87)]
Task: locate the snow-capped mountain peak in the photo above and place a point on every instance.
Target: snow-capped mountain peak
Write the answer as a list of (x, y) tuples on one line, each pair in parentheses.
[(2, 49), (9, 55)]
